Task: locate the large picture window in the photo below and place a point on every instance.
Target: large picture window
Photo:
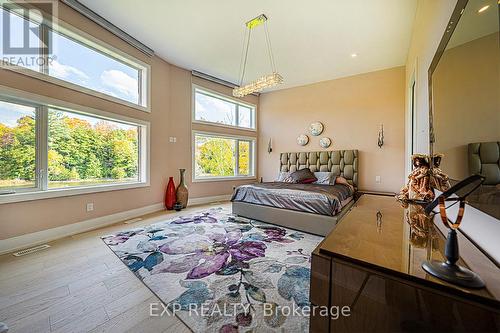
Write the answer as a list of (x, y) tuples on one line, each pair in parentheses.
[(77, 60), (85, 150), (17, 146), (45, 148), (217, 156), (213, 108), (84, 66)]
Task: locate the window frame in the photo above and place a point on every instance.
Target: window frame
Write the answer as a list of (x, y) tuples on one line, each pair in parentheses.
[(41, 189), (196, 88), (38, 142), (91, 42), (238, 138)]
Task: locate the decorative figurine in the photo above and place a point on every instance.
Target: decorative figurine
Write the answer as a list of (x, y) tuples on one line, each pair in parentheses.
[(418, 187), (439, 180)]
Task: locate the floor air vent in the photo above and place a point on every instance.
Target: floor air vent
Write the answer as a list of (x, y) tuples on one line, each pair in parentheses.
[(31, 250)]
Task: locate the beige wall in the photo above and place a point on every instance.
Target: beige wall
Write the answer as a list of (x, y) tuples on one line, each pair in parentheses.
[(352, 110), (466, 87), (180, 126), (170, 116), (430, 22)]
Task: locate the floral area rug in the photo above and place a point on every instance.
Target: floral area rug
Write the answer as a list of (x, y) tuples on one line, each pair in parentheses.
[(220, 273)]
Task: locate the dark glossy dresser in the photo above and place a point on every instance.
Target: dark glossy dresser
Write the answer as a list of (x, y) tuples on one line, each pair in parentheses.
[(371, 262)]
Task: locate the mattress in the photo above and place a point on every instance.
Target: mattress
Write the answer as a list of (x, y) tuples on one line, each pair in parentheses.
[(310, 198)]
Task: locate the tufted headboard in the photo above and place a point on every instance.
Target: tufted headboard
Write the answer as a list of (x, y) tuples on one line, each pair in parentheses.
[(343, 163)]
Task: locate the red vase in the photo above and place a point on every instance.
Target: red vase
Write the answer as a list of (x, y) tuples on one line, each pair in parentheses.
[(170, 194)]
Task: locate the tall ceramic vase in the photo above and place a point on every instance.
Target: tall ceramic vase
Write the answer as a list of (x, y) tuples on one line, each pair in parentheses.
[(182, 190), (170, 198)]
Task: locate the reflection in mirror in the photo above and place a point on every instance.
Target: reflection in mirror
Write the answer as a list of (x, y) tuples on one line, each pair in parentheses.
[(466, 98)]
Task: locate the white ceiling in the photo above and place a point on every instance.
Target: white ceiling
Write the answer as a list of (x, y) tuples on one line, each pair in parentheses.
[(312, 39), (473, 24)]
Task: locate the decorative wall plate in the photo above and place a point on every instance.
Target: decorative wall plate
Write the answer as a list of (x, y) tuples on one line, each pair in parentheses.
[(325, 142), (302, 140), (316, 128)]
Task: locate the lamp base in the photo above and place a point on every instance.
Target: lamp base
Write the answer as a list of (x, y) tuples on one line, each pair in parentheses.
[(454, 274)]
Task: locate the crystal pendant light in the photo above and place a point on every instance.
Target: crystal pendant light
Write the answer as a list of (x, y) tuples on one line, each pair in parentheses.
[(265, 81)]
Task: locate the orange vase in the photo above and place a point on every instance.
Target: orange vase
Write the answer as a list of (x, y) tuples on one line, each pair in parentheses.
[(170, 197)]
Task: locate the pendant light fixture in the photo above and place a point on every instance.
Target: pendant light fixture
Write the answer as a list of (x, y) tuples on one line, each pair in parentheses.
[(265, 81)]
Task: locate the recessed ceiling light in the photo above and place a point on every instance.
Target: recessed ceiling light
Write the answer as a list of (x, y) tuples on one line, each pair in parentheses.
[(482, 9), (354, 55)]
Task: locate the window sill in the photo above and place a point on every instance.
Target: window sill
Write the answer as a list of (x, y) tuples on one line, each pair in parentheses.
[(209, 123), (224, 179), (66, 192)]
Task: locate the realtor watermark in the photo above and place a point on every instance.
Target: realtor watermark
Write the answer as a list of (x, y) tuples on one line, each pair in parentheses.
[(26, 32), (158, 309)]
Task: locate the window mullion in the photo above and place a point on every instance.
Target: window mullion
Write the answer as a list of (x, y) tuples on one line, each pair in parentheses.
[(140, 86), (141, 151), (44, 48), (237, 157), (237, 115), (251, 160), (42, 148)]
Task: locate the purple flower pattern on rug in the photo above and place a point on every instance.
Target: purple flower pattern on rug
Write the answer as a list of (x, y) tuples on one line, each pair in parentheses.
[(220, 260), (206, 254)]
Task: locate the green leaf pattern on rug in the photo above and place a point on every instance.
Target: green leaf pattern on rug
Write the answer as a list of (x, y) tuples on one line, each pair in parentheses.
[(256, 293)]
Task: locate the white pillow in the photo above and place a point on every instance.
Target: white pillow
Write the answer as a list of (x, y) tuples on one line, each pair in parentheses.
[(282, 176), (324, 178)]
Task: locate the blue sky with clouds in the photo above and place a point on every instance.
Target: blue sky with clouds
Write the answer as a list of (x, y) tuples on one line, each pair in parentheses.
[(10, 113), (216, 110), (81, 65)]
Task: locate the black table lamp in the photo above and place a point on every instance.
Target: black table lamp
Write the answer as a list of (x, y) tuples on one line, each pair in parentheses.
[(449, 270)]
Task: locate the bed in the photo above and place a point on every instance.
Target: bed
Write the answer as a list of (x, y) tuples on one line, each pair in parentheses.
[(311, 208)]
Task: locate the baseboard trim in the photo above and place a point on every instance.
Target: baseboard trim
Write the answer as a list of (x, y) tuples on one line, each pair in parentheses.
[(36, 238), (207, 200)]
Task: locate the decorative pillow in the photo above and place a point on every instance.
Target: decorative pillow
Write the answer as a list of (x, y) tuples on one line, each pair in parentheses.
[(325, 178), (284, 177), (289, 180), (309, 181), (303, 175)]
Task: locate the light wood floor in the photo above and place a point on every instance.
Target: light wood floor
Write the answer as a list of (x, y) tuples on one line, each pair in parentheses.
[(79, 285)]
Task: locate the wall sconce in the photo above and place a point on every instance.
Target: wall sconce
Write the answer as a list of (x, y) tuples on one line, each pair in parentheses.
[(380, 141), (270, 146)]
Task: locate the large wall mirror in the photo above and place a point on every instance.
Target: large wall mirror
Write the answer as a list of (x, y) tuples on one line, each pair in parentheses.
[(464, 80)]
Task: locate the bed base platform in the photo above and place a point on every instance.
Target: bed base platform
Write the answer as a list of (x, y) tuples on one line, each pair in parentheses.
[(307, 222)]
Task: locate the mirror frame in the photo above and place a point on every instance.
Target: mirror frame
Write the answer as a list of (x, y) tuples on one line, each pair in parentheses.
[(450, 28)]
